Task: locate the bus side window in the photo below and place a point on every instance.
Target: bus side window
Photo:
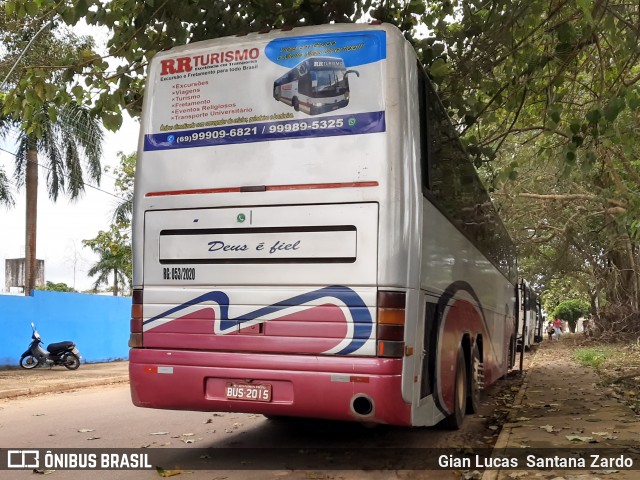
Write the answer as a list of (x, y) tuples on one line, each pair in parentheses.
[(305, 86), (425, 127), (451, 182)]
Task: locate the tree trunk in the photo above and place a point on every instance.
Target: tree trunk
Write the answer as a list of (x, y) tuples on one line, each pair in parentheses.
[(31, 186), (633, 274), (115, 282)]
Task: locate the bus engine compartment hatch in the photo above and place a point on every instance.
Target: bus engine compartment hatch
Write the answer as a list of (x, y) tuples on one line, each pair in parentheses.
[(314, 244)]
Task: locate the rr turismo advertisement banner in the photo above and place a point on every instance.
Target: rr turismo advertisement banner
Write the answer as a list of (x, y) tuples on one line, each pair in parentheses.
[(219, 94)]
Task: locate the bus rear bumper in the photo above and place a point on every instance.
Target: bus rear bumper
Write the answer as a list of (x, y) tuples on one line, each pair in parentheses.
[(363, 389)]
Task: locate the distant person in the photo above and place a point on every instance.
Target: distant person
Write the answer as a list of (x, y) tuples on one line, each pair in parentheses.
[(550, 330), (557, 327)]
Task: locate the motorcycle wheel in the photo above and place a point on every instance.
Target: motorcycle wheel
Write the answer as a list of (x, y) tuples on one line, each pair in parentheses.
[(71, 361), (28, 361)]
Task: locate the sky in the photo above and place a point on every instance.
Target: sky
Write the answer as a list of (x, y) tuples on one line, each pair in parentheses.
[(63, 225)]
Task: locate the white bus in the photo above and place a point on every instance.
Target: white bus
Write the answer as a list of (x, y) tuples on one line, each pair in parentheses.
[(347, 266), (530, 321), (316, 85)]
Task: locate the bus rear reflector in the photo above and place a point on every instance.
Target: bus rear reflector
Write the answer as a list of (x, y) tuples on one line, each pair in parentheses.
[(391, 316), (390, 332), (135, 340), (391, 319), (136, 318), (390, 349)]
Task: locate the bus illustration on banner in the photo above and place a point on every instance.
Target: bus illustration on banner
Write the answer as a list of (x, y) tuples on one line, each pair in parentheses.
[(316, 85)]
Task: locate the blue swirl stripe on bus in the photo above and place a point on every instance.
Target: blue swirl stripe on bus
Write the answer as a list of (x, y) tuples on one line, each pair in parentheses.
[(355, 48), (362, 323), (350, 124)]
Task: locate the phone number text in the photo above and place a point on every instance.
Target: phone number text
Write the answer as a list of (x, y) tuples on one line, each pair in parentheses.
[(299, 126)]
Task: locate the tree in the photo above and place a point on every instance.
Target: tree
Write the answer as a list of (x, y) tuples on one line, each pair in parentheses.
[(125, 176), (114, 251), (546, 95), (51, 126), (62, 144), (114, 246), (570, 311), (56, 287)]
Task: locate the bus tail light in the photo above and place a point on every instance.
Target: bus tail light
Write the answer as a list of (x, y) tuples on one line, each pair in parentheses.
[(391, 319), (135, 339)]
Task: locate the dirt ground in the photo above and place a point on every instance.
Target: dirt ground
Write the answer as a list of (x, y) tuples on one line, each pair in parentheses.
[(617, 364)]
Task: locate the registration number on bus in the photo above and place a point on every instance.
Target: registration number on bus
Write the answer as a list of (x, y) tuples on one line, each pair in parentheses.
[(249, 391)]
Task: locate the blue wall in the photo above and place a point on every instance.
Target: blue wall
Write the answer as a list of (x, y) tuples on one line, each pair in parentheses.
[(99, 325)]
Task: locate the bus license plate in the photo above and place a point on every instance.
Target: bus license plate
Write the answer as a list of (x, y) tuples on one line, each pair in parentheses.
[(249, 391)]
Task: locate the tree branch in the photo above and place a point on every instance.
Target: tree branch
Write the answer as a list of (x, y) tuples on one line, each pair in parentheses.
[(567, 197)]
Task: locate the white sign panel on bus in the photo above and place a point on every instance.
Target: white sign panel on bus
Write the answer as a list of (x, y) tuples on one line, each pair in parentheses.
[(290, 87)]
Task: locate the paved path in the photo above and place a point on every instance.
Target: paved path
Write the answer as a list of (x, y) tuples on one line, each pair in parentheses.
[(562, 409)]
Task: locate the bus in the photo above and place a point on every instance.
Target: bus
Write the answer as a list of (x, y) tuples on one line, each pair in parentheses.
[(316, 85), (530, 317), (347, 266)]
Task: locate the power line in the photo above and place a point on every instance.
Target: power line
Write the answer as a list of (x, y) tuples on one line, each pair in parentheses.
[(69, 176)]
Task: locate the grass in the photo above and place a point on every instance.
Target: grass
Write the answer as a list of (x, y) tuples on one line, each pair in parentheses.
[(594, 357)]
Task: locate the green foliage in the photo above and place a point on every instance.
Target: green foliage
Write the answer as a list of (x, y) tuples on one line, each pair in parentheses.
[(74, 140), (114, 250), (594, 357), (557, 288), (45, 108), (125, 177), (55, 287), (570, 311), (41, 66), (6, 197)]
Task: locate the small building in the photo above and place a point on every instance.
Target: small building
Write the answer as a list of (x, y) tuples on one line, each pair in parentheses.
[(14, 274)]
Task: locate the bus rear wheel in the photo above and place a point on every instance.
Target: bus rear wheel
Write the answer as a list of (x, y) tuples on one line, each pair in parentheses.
[(476, 381), (454, 421), (296, 104)]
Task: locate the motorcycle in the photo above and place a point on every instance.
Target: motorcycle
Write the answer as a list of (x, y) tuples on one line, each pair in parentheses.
[(61, 353)]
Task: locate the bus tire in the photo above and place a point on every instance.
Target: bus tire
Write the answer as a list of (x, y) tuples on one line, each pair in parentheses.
[(511, 354), (296, 104), (454, 421), (476, 381)]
